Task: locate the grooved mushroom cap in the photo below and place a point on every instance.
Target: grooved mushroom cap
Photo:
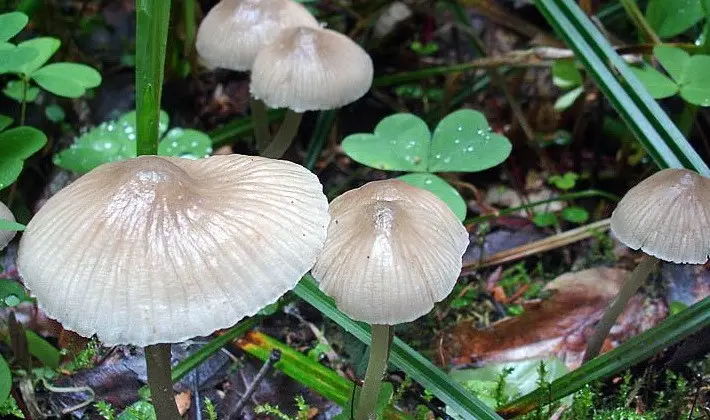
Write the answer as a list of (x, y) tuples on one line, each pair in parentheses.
[(6, 235), (234, 31), (393, 250), (156, 249), (308, 69), (667, 215)]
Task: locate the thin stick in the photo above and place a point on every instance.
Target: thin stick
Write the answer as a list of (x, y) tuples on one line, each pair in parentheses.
[(260, 117), (273, 358), (376, 366), (616, 307), (157, 359), (282, 139)]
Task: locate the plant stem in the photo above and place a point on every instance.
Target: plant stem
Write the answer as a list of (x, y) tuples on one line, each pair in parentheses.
[(153, 18), (23, 107), (260, 118), (616, 307), (376, 366), (282, 139), (157, 358)]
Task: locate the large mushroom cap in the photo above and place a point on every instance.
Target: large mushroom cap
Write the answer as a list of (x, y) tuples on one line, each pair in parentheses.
[(667, 215), (6, 235), (309, 69), (234, 31), (157, 249), (393, 250)]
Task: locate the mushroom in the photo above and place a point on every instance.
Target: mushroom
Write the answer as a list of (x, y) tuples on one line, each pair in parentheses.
[(157, 250), (667, 216), (392, 251), (234, 31), (6, 235), (308, 69)]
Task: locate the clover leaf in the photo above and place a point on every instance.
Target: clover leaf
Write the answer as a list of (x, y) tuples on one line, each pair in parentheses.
[(116, 140), (17, 144)]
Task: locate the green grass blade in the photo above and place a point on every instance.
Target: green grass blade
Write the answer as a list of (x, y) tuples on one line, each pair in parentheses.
[(320, 134), (152, 19), (674, 328), (404, 357), (645, 118)]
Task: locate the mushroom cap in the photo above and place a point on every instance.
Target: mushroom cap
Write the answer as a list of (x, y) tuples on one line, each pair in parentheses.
[(160, 249), (234, 31), (393, 250), (309, 69), (6, 235), (667, 215)]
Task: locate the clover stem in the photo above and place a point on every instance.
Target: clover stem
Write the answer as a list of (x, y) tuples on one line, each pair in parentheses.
[(23, 107), (376, 366), (157, 359), (282, 140), (616, 307), (259, 117)]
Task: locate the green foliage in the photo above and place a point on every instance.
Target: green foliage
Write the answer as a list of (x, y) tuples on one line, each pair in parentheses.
[(42, 350), (461, 142), (140, 410), (688, 75), (383, 400), (210, 409), (566, 76), (564, 182), (10, 408), (12, 293), (420, 48), (497, 384), (17, 144), (5, 380), (85, 358), (671, 18), (116, 140), (270, 410), (572, 214), (27, 60), (105, 410)]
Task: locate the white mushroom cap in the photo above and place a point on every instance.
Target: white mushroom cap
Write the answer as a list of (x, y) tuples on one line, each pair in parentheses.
[(6, 235), (156, 249), (308, 69), (667, 215), (234, 31), (393, 250)]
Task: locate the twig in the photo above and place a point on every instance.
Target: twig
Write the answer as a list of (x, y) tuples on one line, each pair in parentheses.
[(273, 358)]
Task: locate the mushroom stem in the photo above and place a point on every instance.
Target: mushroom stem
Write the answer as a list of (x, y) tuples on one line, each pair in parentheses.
[(259, 117), (284, 137), (616, 307), (157, 358), (376, 366)]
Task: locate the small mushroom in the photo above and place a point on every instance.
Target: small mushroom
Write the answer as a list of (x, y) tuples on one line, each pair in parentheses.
[(157, 250), (667, 216), (305, 69), (234, 31), (6, 235), (392, 252)]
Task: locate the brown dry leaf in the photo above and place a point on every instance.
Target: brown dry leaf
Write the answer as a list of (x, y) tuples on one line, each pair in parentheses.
[(555, 326), (183, 401)]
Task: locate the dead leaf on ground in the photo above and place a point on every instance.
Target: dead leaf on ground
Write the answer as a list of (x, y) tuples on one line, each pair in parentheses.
[(556, 326)]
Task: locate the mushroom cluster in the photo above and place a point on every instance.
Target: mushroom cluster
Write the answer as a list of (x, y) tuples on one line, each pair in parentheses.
[(155, 250), (667, 216), (392, 252), (294, 63)]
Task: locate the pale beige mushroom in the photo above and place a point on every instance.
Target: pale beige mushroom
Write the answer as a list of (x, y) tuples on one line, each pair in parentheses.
[(392, 252), (667, 216), (158, 249), (6, 235), (308, 69), (234, 31)]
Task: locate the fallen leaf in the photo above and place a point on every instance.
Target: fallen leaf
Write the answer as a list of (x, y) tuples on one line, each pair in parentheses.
[(555, 326)]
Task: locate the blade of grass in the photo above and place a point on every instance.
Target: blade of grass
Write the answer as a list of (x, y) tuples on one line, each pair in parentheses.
[(645, 118), (152, 19), (320, 134), (404, 357), (674, 328)]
